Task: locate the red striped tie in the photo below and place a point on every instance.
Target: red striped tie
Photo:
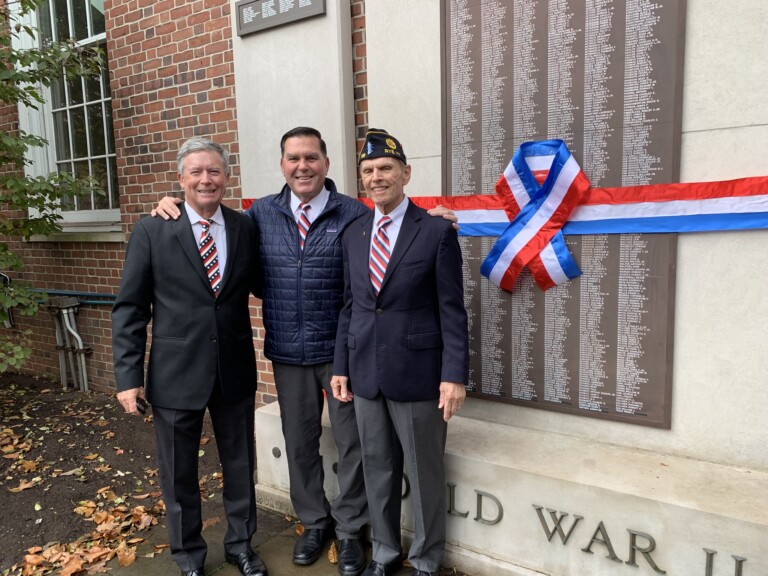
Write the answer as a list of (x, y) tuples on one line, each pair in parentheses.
[(303, 223), (209, 255), (380, 253)]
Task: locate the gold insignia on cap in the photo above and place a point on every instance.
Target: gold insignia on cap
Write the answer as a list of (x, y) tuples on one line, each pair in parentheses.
[(391, 143)]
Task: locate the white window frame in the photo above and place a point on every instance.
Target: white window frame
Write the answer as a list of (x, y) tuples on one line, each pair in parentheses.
[(43, 159)]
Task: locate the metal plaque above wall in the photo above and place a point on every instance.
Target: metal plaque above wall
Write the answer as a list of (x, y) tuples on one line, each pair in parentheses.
[(258, 15)]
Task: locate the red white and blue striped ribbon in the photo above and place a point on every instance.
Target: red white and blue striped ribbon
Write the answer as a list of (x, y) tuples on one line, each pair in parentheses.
[(740, 204), (540, 188)]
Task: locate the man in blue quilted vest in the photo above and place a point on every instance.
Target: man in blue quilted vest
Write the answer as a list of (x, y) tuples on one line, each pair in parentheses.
[(302, 297)]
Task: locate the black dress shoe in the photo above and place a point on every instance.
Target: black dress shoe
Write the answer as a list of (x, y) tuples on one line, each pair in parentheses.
[(351, 557), (195, 572), (309, 545), (248, 562), (376, 569), (417, 572)]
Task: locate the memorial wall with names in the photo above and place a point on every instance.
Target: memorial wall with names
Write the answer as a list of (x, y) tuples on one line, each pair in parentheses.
[(605, 76)]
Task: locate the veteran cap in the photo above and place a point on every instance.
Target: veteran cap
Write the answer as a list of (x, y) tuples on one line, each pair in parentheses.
[(381, 144)]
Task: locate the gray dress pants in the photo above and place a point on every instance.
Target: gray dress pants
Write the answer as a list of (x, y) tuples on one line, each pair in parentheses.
[(300, 395), (394, 435)]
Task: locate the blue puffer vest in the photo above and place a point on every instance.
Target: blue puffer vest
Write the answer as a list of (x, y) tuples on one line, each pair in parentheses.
[(303, 291)]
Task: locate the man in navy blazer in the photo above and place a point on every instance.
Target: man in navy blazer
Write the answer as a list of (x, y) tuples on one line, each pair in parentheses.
[(192, 278), (402, 354)]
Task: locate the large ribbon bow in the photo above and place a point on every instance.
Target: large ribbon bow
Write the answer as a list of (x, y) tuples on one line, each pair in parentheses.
[(540, 188)]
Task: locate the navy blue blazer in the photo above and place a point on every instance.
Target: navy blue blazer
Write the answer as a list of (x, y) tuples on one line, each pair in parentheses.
[(413, 335)]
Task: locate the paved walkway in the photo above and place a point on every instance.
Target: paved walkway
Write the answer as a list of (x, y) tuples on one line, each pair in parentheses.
[(273, 541)]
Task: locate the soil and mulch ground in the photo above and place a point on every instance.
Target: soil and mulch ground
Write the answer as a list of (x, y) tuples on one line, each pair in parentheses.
[(78, 478)]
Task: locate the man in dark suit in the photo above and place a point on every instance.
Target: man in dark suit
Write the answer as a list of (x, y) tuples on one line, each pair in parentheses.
[(402, 348), (191, 277)]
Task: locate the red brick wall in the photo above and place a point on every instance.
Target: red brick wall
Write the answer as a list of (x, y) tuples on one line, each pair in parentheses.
[(172, 77), (360, 69)]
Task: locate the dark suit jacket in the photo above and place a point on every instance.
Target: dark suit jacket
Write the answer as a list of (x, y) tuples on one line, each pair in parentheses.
[(413, 336), (195, 336)]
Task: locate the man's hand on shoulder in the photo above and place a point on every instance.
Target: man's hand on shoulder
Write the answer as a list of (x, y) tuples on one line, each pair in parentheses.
[(167, 208), (446, 213)]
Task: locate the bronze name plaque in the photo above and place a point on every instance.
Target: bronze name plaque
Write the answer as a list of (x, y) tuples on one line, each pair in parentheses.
[(605, 76)]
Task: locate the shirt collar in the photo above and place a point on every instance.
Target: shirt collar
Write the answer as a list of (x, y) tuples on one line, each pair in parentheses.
[(396, 215), (317, 203), (194, 217)]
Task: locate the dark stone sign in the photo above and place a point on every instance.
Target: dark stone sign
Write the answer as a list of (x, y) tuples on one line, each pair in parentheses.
[(257, 15)]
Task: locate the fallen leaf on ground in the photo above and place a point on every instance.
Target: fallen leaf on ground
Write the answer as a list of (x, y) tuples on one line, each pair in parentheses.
[(208, 522), (97, 568), (25, 485), (333, 553), (72, 566), (126, 555)]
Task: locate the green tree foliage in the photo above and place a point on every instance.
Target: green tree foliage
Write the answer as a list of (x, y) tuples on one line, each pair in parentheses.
[(29, 204)]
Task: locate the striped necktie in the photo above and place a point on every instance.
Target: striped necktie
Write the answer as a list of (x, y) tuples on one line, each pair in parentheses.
[(303, 223), (380, 252), (207, 248)]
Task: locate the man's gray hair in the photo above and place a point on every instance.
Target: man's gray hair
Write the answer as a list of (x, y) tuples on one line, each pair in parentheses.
[(200, 144)]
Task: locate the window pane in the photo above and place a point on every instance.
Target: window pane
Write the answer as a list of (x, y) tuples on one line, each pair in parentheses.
[(99, 168), (81, 171), (75, 91), (96, 125), (61, 17), (97, 17), (113, 191), (61, 129), (58, 98), (67, 202), (110, 131), (80, 18), (105, 73), (44, 22), (79, 137), (93, 89)]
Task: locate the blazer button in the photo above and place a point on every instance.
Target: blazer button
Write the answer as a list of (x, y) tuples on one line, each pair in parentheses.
[(379, 311), (213, 339)]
